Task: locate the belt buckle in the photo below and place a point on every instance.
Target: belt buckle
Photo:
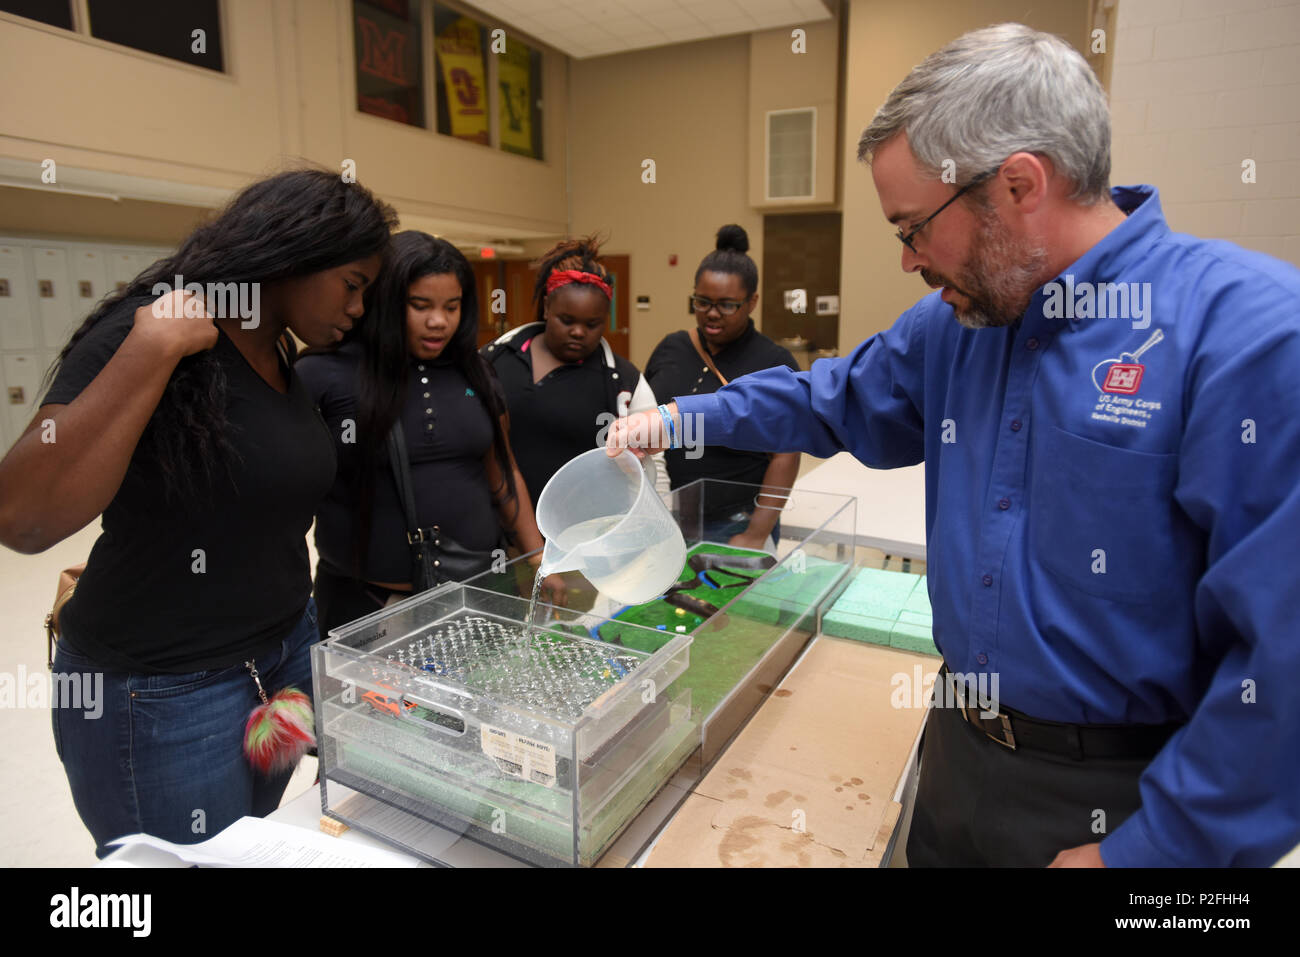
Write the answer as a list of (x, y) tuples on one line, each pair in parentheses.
[(1008, 742)]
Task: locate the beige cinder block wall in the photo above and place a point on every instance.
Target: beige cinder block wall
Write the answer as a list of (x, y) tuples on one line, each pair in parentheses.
[(886, 38), (781, 79), (1199, 88), (288, 94), (686, 108)]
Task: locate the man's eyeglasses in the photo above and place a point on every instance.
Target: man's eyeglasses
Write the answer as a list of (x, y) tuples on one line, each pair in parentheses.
[(727, 307), (906, 238)]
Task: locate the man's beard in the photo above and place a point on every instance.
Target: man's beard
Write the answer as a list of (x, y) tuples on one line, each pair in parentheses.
[(998, 279)]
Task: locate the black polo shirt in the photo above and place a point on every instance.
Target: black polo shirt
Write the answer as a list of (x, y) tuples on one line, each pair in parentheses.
[(675, 369), (553, 420), (448, 432)]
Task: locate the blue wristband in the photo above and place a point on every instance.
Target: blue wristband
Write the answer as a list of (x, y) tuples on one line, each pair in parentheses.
[(668, 424)]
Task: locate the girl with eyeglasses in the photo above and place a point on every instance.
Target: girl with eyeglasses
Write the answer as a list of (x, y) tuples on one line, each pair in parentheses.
[(724, 345)]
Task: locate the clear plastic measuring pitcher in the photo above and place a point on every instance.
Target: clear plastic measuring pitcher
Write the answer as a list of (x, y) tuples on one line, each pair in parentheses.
[(602, 517)]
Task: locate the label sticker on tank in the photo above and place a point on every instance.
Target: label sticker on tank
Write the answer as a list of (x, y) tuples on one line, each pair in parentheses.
[(519, 755)]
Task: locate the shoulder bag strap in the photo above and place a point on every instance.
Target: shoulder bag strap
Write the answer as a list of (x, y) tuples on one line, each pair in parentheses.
[(703, 353), (402, 476), (422, 577)]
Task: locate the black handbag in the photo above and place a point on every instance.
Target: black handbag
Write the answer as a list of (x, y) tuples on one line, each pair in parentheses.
[(435, 556)]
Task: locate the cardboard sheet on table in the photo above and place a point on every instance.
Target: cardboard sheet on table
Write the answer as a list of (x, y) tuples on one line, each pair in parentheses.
[(754, 842), (828, 742)]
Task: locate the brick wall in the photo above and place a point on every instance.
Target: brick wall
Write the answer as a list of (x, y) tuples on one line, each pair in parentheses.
[(1198, 87)]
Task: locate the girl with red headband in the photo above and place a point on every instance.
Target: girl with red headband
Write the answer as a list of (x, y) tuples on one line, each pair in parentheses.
[(562, 381)]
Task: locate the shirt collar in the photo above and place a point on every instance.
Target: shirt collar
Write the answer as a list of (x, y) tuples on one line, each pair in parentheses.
[(518, 338), (520, 343), (442, 360), (1120, 249)]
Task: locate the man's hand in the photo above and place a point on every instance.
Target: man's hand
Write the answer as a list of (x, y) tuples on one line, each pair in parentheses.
[(642, 434), (1085, 855)]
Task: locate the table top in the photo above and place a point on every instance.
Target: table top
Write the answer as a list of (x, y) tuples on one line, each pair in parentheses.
[(891, 502), (458, 851)]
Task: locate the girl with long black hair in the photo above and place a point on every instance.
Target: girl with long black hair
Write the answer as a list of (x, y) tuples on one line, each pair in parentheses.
[(412, 364), (182, 422)]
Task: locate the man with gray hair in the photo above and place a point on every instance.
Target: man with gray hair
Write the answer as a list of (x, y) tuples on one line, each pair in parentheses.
[(1109, 416)]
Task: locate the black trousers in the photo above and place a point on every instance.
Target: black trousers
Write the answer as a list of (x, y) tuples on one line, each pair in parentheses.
[(980, 804)]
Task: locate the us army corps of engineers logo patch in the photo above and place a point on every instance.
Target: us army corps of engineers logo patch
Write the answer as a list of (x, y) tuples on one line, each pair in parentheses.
[(1118, 380)]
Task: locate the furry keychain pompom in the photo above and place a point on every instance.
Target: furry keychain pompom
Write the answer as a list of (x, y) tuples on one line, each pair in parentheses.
[(280, 730)]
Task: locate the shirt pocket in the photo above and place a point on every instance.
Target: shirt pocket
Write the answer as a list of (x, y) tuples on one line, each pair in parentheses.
[(1104, 521)]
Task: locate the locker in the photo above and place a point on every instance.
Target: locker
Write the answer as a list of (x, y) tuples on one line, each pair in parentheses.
[(22, 382), (143, 260), (125, 264), (46, 290), (122, 267), (16, 290), (53, 294), (88, 272)]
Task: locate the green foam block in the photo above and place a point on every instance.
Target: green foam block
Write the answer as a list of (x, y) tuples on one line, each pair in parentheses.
[(919, 600), (883, 607), (885, 585), (861, 627), (868, 609), (912, 638), (788, 593)]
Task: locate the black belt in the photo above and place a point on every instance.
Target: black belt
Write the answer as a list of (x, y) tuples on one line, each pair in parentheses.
[(1015, 730)]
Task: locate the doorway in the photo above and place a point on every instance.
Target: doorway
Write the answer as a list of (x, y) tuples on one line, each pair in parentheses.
[(801, 251)]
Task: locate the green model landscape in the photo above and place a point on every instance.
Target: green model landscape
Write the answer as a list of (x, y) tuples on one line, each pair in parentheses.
[(729, 644)]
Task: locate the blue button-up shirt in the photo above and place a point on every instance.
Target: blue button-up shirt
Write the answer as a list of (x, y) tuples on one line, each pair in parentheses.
[(1112, 510)]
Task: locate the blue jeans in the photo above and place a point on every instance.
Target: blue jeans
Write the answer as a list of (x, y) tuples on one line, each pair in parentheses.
[(164, 754)]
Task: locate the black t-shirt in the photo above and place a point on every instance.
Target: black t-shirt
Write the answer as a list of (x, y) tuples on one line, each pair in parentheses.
[(148, 600), (676, 369), (448, 432), (556, 419)]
